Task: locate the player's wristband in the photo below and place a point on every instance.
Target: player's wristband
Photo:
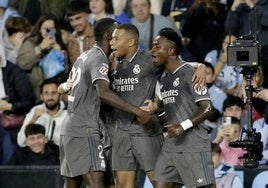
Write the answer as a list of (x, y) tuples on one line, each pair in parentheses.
[(187, 124), (64, 87), (199, 64), (163, 113)]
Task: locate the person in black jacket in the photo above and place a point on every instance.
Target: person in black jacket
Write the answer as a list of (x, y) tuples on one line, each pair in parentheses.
[(16, 97), (38, 150)]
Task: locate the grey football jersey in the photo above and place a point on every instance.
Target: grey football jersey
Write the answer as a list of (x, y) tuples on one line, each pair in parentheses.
[(83, 100), (135, 81), (180, 98)]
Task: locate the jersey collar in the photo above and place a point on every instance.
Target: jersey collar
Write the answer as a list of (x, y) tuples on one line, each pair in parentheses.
[(178, 68), (130, 59), (96, 46)]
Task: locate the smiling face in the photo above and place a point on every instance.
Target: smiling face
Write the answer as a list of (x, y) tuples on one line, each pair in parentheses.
[(79, 22), (36, 142), (50, 96)]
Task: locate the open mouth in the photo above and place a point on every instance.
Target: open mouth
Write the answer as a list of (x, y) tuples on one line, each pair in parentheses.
[(115, 52), (153, 58)]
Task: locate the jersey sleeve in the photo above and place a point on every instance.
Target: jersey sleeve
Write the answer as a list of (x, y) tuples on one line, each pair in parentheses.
[(99, 69), (199, 93)]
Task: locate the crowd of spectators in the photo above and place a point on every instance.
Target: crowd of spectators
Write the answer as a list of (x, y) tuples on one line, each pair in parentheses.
[(30, 29)]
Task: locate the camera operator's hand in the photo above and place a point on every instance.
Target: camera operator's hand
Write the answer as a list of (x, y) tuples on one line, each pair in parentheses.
[(174, 130), (262, 95)]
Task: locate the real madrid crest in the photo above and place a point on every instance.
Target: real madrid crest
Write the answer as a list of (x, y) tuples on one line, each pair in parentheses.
[(136, 69), (176, 82)]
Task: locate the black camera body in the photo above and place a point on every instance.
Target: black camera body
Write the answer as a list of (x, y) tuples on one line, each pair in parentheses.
[(254, 147), (245, 51)]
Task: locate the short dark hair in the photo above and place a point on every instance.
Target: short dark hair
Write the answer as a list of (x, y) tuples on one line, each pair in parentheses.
[(76, 7), (102, 26), (173, 36), (48, 81), (17, 24), (109, 8), (232, 100), (130, 28), (34, 128)]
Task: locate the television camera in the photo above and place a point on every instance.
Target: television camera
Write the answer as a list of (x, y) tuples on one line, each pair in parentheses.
[(245, 52)]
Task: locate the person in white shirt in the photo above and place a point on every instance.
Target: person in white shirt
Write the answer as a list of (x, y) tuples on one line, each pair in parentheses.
[(50, 113)]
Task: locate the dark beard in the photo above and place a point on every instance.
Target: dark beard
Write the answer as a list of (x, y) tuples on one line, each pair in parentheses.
[(52, 106)]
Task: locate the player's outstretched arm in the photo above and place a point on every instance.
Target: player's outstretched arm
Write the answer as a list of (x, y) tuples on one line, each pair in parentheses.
[(111, 98)]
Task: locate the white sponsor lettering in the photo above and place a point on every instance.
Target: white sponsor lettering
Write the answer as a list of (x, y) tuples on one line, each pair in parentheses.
[(169, 100), (124, 81), (125, 84), (169, 93)]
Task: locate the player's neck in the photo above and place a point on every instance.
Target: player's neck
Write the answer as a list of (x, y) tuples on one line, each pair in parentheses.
[(104, 46), (173, 64), (132, 50)]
